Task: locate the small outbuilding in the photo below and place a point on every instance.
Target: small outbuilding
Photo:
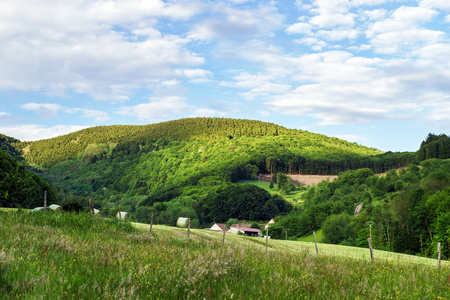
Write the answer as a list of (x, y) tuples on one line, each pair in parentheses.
[(245, 231), (219, 227)]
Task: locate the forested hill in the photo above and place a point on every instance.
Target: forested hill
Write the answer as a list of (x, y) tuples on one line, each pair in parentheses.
[(189, 161), (48, 152)]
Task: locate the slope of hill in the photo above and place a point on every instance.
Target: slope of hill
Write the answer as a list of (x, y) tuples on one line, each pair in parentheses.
[(187, 161), (20, 187), (48, 152)]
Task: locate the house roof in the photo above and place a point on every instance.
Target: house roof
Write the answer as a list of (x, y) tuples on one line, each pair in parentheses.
[(243, 225), (245, 229), (221, 226)]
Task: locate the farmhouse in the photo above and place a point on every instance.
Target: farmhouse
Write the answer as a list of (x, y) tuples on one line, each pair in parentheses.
[(245, 229), (219, 227)]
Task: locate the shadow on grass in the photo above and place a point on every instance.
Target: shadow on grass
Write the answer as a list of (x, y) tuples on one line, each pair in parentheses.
[(5, 286)]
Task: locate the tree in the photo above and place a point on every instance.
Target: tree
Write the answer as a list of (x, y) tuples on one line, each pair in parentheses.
[(337, 229), (231, 222)]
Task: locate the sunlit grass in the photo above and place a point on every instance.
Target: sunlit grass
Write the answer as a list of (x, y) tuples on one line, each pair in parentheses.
[(67, 256), (293, 197)]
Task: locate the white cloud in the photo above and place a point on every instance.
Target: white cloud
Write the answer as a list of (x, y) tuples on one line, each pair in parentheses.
[(38, 132), (339, 34), (314, 43), (376, 14), (302, 28), (232, 23), (96, 115), (352, 138), (156, 109), (332, 20), (259, 85), (104, 49), (45, 110), (402, 29), (197, 73), (436, 4), (206, 112)]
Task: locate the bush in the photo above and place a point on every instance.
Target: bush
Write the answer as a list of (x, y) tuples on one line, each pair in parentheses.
[(72, 204)]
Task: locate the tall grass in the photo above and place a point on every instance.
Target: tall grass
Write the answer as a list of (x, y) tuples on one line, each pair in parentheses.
[(66, 256)]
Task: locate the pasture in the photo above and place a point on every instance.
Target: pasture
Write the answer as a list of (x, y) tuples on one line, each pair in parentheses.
[(67, 256)]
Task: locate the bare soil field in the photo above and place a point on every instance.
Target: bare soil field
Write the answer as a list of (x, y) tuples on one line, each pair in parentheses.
[(302, 180)]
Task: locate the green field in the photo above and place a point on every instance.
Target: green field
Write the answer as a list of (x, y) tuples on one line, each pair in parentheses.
[(293, 197), (67, 256)]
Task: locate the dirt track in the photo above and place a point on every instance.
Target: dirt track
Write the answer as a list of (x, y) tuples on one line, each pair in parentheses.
[(302, 180)]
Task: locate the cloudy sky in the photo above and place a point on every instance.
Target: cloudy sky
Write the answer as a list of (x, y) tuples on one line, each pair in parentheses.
[(374, 72)]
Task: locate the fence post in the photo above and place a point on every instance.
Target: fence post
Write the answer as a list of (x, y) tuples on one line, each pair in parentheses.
[(120, 215), (91, 206), (370, 247), (189, 228), (267, 238), (315, 242), (45, 201), (223, 239), (151, 225), (439, 254)]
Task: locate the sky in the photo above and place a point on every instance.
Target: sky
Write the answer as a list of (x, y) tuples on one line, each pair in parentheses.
[(373, 72)]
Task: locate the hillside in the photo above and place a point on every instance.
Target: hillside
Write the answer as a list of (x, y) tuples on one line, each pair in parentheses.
[(177, 167), (46, 153), (20, 187), (77, 256)]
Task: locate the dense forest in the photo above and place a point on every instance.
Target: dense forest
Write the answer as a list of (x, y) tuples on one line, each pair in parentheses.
[(409, 209), (190, 168), (20, 187)]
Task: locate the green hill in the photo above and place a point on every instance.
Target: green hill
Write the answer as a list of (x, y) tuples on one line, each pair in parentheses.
[(20, 187), (177, 167)]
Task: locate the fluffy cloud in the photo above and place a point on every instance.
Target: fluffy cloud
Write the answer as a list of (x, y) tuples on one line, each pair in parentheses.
[(156, 109), (229, 22), (97, 116), (45, 110), (402, 28), (101, 48)]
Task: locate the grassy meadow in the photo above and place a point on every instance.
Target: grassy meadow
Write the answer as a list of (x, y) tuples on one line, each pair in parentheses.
[(293, 197), (70, 256)]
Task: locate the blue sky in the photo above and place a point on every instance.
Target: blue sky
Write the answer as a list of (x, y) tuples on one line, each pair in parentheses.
[(374, 72)]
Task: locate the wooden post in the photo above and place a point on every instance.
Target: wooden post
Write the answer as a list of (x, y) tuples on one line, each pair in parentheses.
[(151, 225), (91, 206), (371, 249), (120, 215), (285, 231), (223, 239), (370, 223), (267, 238), (45, 201), (315, 243), (189, 228), (439, 254)]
